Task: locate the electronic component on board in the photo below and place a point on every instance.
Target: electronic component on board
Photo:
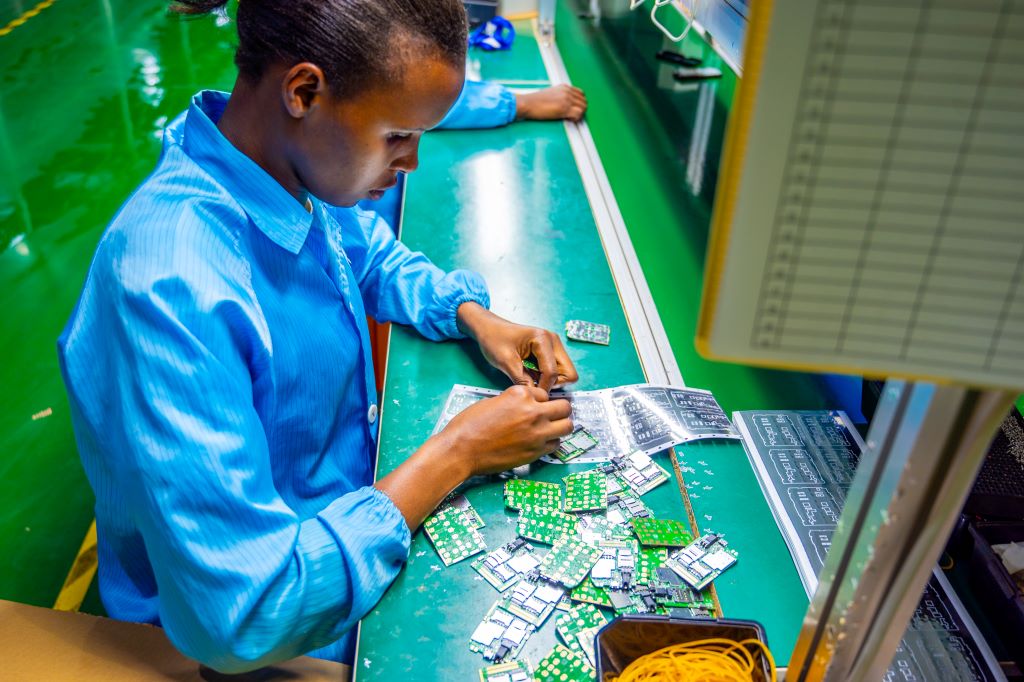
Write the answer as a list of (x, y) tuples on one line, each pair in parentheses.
[(703, 560), (512, 671), (625, 506), (574, 445), (637, 472), (500, 635), (533, 600), (503, 567)]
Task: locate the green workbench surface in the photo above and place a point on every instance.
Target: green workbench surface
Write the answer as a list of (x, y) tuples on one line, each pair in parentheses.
[(510, 204)]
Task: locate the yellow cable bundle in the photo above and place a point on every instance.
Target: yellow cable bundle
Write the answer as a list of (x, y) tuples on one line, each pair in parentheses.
[(707, 660)]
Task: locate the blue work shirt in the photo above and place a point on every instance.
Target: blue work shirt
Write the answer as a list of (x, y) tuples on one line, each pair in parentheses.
[(219, 374), (481, 104)]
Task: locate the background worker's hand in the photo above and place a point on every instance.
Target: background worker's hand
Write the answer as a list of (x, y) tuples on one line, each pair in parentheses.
[(508, 430), (506, 344), (551, 104)]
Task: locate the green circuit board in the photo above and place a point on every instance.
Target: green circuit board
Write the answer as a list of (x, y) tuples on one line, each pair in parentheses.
[(585, 491), (521, 493), (574, 445), (594, 528), (589, 593), (454, 535), (569, 561), (580, 617), (563, 665), (661, 532), (461, 502), (648, 563), (545, 525)]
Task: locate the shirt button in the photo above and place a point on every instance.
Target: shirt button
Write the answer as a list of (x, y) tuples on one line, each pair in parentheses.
[(371, 414)]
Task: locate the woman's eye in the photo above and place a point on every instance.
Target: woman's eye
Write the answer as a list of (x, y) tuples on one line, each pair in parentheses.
[(396, 137)]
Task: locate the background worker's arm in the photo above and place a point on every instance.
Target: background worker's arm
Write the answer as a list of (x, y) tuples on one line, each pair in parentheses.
[(486, 104)]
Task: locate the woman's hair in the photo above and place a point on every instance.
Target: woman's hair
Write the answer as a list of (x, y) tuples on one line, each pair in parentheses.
[(355, 42)]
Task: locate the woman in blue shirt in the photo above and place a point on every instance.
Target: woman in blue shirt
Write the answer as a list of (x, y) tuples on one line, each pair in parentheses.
[(218, 365)]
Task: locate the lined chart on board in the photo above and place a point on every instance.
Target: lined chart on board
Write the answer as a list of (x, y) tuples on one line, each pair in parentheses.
[(874, 221)]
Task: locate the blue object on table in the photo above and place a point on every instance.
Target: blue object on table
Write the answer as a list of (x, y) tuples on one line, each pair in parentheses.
[(497, 34)]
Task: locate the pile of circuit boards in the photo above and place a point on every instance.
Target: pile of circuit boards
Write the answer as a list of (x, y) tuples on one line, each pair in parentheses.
[(587, 549)]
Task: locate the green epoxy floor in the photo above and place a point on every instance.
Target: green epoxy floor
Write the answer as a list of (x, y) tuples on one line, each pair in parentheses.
[(85, 88)]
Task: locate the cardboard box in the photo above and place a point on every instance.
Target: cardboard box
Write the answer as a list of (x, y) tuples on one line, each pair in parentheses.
[(42, 644)]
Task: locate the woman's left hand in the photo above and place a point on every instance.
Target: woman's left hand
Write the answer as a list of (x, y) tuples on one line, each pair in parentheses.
[(505, 345)]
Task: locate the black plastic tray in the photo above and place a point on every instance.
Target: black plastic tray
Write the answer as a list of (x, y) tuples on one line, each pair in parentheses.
[(996, 592), (627, 638)]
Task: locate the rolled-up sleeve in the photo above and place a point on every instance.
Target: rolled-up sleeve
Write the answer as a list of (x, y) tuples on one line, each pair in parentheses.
[(243, 581), (401, 285), (481, 104)]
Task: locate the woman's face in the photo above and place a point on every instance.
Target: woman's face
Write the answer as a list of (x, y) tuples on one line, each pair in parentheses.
[(352, 148)]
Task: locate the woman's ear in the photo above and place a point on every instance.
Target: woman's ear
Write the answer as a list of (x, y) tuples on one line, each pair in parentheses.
[(302, 88)]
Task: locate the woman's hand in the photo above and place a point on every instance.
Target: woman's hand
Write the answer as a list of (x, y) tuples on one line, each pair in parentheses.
[(505, 345), (493, 435), (508, 430)]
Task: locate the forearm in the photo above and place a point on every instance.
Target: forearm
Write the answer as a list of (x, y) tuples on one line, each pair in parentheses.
[(419, 484), (471, 317), (403, 286), (482, 104)]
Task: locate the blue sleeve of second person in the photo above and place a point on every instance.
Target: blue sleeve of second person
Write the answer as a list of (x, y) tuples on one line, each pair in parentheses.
[(482, 104)]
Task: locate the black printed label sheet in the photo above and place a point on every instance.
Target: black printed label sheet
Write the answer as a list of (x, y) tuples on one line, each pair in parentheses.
[(625, 419)]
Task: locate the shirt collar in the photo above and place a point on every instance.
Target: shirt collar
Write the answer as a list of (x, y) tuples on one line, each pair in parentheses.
[(270, 206)]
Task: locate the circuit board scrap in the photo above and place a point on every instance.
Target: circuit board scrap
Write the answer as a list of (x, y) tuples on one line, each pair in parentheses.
[(585, 491), (608, 555), (454, 534)]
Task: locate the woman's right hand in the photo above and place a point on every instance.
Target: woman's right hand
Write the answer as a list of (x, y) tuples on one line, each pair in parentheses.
[(508, 430), (495, 434)]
